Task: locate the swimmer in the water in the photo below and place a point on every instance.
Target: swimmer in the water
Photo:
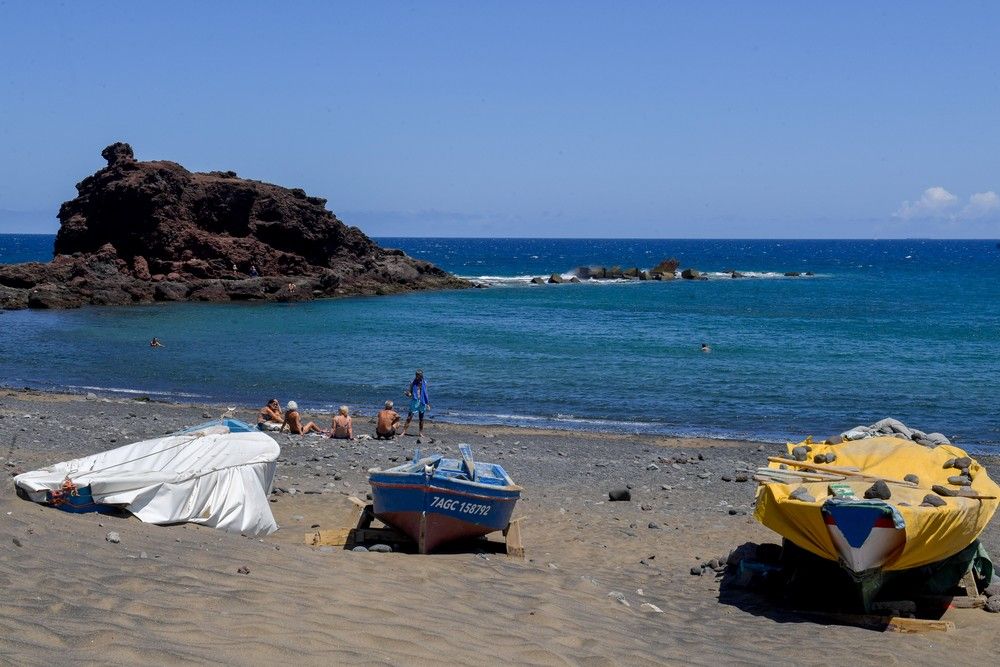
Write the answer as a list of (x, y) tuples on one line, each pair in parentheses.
[(705, 348)]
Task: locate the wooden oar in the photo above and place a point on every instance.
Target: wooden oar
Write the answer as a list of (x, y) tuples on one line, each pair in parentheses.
[(839, 471), (802, 475)]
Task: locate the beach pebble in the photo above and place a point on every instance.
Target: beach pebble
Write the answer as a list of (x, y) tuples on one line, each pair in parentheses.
[(950, 463), (653, 525), (942, 490), (91, 396), (113, 537), (619, 597), (648, 606), (619, 495), (359, 549), (959, 480), (704, 475), (993, 604), (727, 478), (801, 493), (17, 542), (666, 487), (911, 478), (878, 490), (992, 590), (243, 569), (143, 555), (733, 511), (646, 507), (962, 462), (800, 453), (206, 415), (931, 500), (741, 477), (380, 548)]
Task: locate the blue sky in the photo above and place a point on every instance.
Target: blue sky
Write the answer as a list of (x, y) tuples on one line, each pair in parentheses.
[(727, 119)]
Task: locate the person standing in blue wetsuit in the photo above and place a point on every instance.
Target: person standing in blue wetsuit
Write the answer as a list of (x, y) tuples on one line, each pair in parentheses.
[(417, 393)]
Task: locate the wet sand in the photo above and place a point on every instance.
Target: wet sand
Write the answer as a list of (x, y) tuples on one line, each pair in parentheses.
[(173, 594)]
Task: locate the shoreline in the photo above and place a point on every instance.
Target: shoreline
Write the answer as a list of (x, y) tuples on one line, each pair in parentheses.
[(660, 439)]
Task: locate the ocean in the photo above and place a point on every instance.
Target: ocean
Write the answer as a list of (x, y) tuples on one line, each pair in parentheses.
[(901, 328)]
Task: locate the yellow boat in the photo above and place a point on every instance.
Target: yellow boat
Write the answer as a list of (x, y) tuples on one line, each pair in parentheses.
[(832, 519)]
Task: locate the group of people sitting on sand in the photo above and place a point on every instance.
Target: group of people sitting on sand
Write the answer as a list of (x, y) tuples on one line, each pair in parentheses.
[(387, 424)]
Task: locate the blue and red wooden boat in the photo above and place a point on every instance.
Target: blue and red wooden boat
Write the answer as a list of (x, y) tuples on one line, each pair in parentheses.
[(436, 500)]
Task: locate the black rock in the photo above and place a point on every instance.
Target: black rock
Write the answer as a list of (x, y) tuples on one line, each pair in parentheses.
[(800, 453), (942, 490), (932, 500), (619, 495), (879, 490), (959, 480)]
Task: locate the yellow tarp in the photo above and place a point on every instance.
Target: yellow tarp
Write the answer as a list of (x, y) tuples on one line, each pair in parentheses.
[(932, 533)]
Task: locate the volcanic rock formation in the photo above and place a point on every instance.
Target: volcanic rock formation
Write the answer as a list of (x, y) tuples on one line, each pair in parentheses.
[(154, 231)]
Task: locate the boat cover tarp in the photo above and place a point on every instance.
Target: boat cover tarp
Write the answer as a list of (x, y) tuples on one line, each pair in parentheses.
[(210, 476), (932, 533)]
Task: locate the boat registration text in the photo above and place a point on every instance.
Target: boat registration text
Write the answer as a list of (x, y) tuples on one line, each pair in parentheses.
[(477, 509)]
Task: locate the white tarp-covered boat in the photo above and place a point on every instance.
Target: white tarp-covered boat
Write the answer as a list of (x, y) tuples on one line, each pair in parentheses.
[(217, 474)]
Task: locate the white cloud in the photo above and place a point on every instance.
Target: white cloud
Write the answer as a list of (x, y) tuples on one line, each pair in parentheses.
[(936, 202), (980, 205)]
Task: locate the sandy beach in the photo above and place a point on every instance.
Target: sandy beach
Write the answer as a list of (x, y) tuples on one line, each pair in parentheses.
[(173, 594)]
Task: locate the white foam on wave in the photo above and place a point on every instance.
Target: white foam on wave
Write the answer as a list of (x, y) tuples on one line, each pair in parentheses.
[(142, 392)]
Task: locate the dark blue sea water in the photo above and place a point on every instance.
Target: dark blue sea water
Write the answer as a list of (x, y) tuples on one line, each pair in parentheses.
[(909, 329)]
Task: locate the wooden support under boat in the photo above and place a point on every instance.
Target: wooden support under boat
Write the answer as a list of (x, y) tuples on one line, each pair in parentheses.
[(364, 533), (910, 625)]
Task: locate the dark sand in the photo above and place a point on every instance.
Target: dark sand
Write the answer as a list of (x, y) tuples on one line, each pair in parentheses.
[(173, 594)]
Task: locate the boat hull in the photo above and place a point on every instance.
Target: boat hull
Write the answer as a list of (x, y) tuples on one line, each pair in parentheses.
[(436, 511)]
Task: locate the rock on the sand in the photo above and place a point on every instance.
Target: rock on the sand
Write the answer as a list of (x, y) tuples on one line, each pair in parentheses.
[(113, 537), (650, 607), (360, 549), (697, 571), (879, 490), (619, 495), (243, 569), (380, 548), (993, 604), (619, 597)]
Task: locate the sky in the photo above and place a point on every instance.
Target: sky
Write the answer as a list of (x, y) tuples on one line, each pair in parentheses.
[(532, 119)]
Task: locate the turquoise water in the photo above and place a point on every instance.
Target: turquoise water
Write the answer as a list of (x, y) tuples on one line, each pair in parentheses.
[(909, 329)]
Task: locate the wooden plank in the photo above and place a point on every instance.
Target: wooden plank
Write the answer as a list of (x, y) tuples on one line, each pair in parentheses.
[(968, 582), (360, 504), (512, 537), (911, 625), (470, 465), (839, 471), (336, 537)]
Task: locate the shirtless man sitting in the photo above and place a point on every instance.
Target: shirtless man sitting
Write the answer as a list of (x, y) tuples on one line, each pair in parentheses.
[(294, 422), (388, 422), (270, 418)]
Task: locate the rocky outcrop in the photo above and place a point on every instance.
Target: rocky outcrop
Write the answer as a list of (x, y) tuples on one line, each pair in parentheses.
[(153, 231)]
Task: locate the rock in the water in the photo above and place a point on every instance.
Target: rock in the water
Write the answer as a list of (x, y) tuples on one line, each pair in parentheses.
[(879, 490), (932, 500), (144, 231), (690, 274), (538, 280), (556, 278), (911, 478)]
